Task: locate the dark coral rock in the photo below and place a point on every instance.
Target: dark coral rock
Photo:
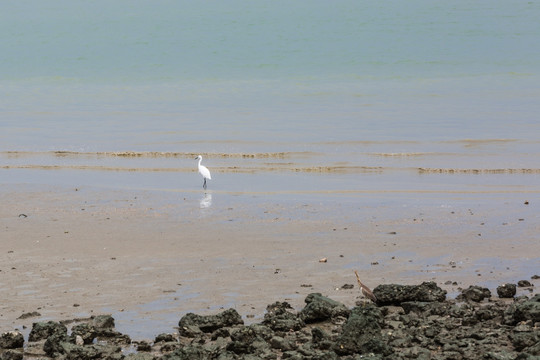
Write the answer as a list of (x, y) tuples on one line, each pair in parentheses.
[(210, 323), (113, 336), (53, 346), (488, 313), (103, 322), (86, 331), (165, 338), (11, 340), (527, 310), (283, 344), (250, 339), (42, 330), (278, 317), (12, 355), (474, 293), (144, 346), (91, 352), (362, 333), (506, 290), (188, 353), (522, 340), (393, 294), (428, 308), (321, 339), (320, 308), (102, 326)]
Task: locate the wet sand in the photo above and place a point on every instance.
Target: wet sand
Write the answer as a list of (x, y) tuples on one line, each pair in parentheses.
[(150, 257)]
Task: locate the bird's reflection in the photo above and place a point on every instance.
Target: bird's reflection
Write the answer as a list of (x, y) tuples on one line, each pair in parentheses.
[(206, 201)]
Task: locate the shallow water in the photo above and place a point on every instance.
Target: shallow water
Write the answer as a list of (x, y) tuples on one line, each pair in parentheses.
[(337, 112)]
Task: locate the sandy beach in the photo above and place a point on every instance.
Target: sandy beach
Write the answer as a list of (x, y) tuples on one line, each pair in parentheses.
[(150, 257)]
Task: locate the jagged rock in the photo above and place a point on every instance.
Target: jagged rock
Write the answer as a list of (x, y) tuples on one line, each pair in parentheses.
[(223, 333), (524, 339), (474, 293), (165, 338), (91, 352), (11, 340), (170, 347), (283, 344), (279, 318), (42, 330), (506, 290), (430, 308), (144, 346), (320, 308), (321, 340), (209, 323), (362, 333), (252, 339), (188, 353), (53, 346), (393, 294), (11, 354), (102, 322), (86, 331), (414, 329), (526, 310)]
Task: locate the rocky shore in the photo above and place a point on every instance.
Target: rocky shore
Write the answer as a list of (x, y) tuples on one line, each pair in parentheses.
[(406, 322)]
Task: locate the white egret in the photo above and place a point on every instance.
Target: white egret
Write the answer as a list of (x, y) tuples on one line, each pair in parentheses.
[(203, 170)]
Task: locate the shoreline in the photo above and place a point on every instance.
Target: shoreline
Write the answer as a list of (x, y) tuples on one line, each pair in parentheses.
[(143, 255), (397, 322)]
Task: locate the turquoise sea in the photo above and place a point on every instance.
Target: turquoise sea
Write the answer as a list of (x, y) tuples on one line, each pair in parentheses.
[(288, 95)]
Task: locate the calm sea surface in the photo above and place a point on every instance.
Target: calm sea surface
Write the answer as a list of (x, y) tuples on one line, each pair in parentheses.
[(277, 96)]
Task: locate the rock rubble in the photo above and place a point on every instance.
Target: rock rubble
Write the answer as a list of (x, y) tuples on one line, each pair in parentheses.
[(408, 322)]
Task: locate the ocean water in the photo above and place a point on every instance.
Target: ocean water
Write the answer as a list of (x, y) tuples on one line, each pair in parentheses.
[(316, 96), (357, 109)]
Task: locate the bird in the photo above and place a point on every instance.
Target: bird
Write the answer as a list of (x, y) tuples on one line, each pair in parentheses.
[(365, 290), (203, 170)]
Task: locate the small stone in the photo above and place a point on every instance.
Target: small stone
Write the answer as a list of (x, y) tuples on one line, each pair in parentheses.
[(506, 290), (79, 340)]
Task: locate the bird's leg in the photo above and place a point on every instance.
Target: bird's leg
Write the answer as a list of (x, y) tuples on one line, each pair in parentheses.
[(204, 184)]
